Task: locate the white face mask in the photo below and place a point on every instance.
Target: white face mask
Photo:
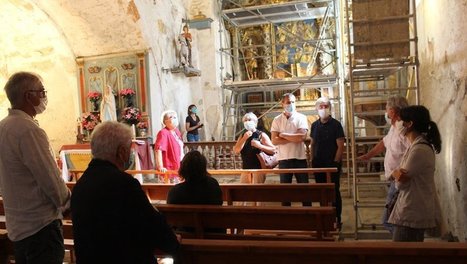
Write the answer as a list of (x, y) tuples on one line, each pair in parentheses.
[(249, 125), (399, 125), (324, 113), (41, 107), (388, 120), (289, 108)]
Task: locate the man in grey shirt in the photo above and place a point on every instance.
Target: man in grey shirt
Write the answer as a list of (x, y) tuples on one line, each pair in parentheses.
[(34, 194)]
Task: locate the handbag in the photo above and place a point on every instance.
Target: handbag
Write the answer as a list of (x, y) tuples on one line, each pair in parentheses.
[(267, 161)]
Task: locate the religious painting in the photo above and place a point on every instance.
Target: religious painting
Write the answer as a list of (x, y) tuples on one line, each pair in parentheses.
[(255, 98), (295, 49)]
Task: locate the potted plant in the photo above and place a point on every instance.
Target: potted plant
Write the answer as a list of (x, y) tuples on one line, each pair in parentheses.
[(127, 94), (94, 97)]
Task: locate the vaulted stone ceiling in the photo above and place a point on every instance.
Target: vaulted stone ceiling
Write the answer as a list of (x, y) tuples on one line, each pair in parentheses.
[(88, 27)]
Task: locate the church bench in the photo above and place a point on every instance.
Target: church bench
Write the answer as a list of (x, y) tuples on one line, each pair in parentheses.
[(328, 171), (6, 247), (361, 252), (311, 223), (322, 193)]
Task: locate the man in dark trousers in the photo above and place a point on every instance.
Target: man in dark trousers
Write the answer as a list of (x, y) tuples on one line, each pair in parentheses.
[(33, 192), (327, 146), (113, 221)]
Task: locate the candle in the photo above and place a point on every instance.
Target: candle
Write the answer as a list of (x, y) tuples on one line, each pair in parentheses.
[(133, 130)]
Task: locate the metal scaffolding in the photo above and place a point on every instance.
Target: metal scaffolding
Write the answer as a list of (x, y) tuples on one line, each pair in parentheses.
[(383, 61), (257, 35)]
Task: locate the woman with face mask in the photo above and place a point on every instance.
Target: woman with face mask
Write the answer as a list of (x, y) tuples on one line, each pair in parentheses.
[(415, 208), (168, 149), (192, 124), (252, 142)]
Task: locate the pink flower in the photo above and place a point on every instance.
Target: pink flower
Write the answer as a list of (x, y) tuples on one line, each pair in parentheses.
[(89, 121), (131, 115), (127, 92), (94, 96)]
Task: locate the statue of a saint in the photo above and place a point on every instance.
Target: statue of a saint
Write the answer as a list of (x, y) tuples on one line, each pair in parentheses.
[(250, 61), (108, 108), (283, 55), (185, 40)]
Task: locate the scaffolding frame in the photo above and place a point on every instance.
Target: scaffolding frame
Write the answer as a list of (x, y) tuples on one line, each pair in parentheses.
[(369, 67), (234, 91)]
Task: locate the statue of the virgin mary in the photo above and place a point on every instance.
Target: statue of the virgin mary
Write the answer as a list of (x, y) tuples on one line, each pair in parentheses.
[(108, 108)]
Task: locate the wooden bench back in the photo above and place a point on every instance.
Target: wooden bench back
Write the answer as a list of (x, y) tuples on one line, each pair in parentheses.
[(201, 217), (323, 193), (361, 252)]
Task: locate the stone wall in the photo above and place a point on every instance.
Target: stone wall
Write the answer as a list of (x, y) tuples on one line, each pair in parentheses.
[(161, 23), (443, 73)]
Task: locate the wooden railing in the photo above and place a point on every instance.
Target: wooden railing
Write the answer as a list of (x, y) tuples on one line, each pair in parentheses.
[(76, 173), (220, 154)]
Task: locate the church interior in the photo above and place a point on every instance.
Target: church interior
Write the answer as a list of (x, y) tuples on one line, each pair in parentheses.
[(241, 56)]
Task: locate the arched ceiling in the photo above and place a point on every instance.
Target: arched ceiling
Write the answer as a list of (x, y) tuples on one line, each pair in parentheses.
[(89, 27)]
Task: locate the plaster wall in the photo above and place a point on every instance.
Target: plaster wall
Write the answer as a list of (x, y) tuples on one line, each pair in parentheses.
[(161, 23), (43, 50), (443, 74)]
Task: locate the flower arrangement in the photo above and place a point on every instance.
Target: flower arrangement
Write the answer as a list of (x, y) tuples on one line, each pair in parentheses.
[(89, 121), (127, 93), (142, 125), (94, 96), (131, 115)]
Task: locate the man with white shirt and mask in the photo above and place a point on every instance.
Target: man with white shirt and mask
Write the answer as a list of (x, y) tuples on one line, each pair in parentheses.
[(34, 194), (395, 145), (288, 131), (327, 146)]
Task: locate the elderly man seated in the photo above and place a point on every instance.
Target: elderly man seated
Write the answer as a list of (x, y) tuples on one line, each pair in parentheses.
[(113, 221)]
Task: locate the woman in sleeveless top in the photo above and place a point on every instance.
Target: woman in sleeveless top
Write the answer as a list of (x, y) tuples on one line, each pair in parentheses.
[(249, 144)]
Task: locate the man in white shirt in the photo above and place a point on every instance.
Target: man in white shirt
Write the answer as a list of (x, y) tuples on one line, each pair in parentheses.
[(288, 131), (34, 194), (395, 145)]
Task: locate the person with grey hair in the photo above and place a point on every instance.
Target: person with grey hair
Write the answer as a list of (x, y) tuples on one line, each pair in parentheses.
[(252, 142), (110, 211), (168, 149), (34, 194), (395, 145), (327, 147), (288, 132)]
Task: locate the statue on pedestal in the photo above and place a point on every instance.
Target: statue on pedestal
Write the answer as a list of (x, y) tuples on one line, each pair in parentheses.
[(185, 40), (108, 109)]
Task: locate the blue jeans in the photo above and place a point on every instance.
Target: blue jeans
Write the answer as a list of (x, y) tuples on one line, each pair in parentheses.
[(45, 246), (287, 177), (392, 190), (192, 137)]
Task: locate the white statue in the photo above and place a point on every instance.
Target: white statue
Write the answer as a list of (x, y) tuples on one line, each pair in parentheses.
[(108, 108)]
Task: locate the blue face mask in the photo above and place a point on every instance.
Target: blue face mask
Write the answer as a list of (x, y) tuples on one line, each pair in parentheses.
[(194, 110), (289, 108)]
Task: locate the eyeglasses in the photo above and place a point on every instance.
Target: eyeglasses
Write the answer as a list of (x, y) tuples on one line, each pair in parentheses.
[(42, 93)]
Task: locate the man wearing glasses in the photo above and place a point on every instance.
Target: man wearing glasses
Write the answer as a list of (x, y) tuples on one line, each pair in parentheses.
[(34, 194)]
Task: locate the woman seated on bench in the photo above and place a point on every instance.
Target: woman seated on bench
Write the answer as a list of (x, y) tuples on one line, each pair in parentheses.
[(198, 187)]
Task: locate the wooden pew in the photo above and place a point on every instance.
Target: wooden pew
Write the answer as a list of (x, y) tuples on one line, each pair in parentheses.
[(361, 252), (323, 193), (317, 222), (75, 174), (6, 247)]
